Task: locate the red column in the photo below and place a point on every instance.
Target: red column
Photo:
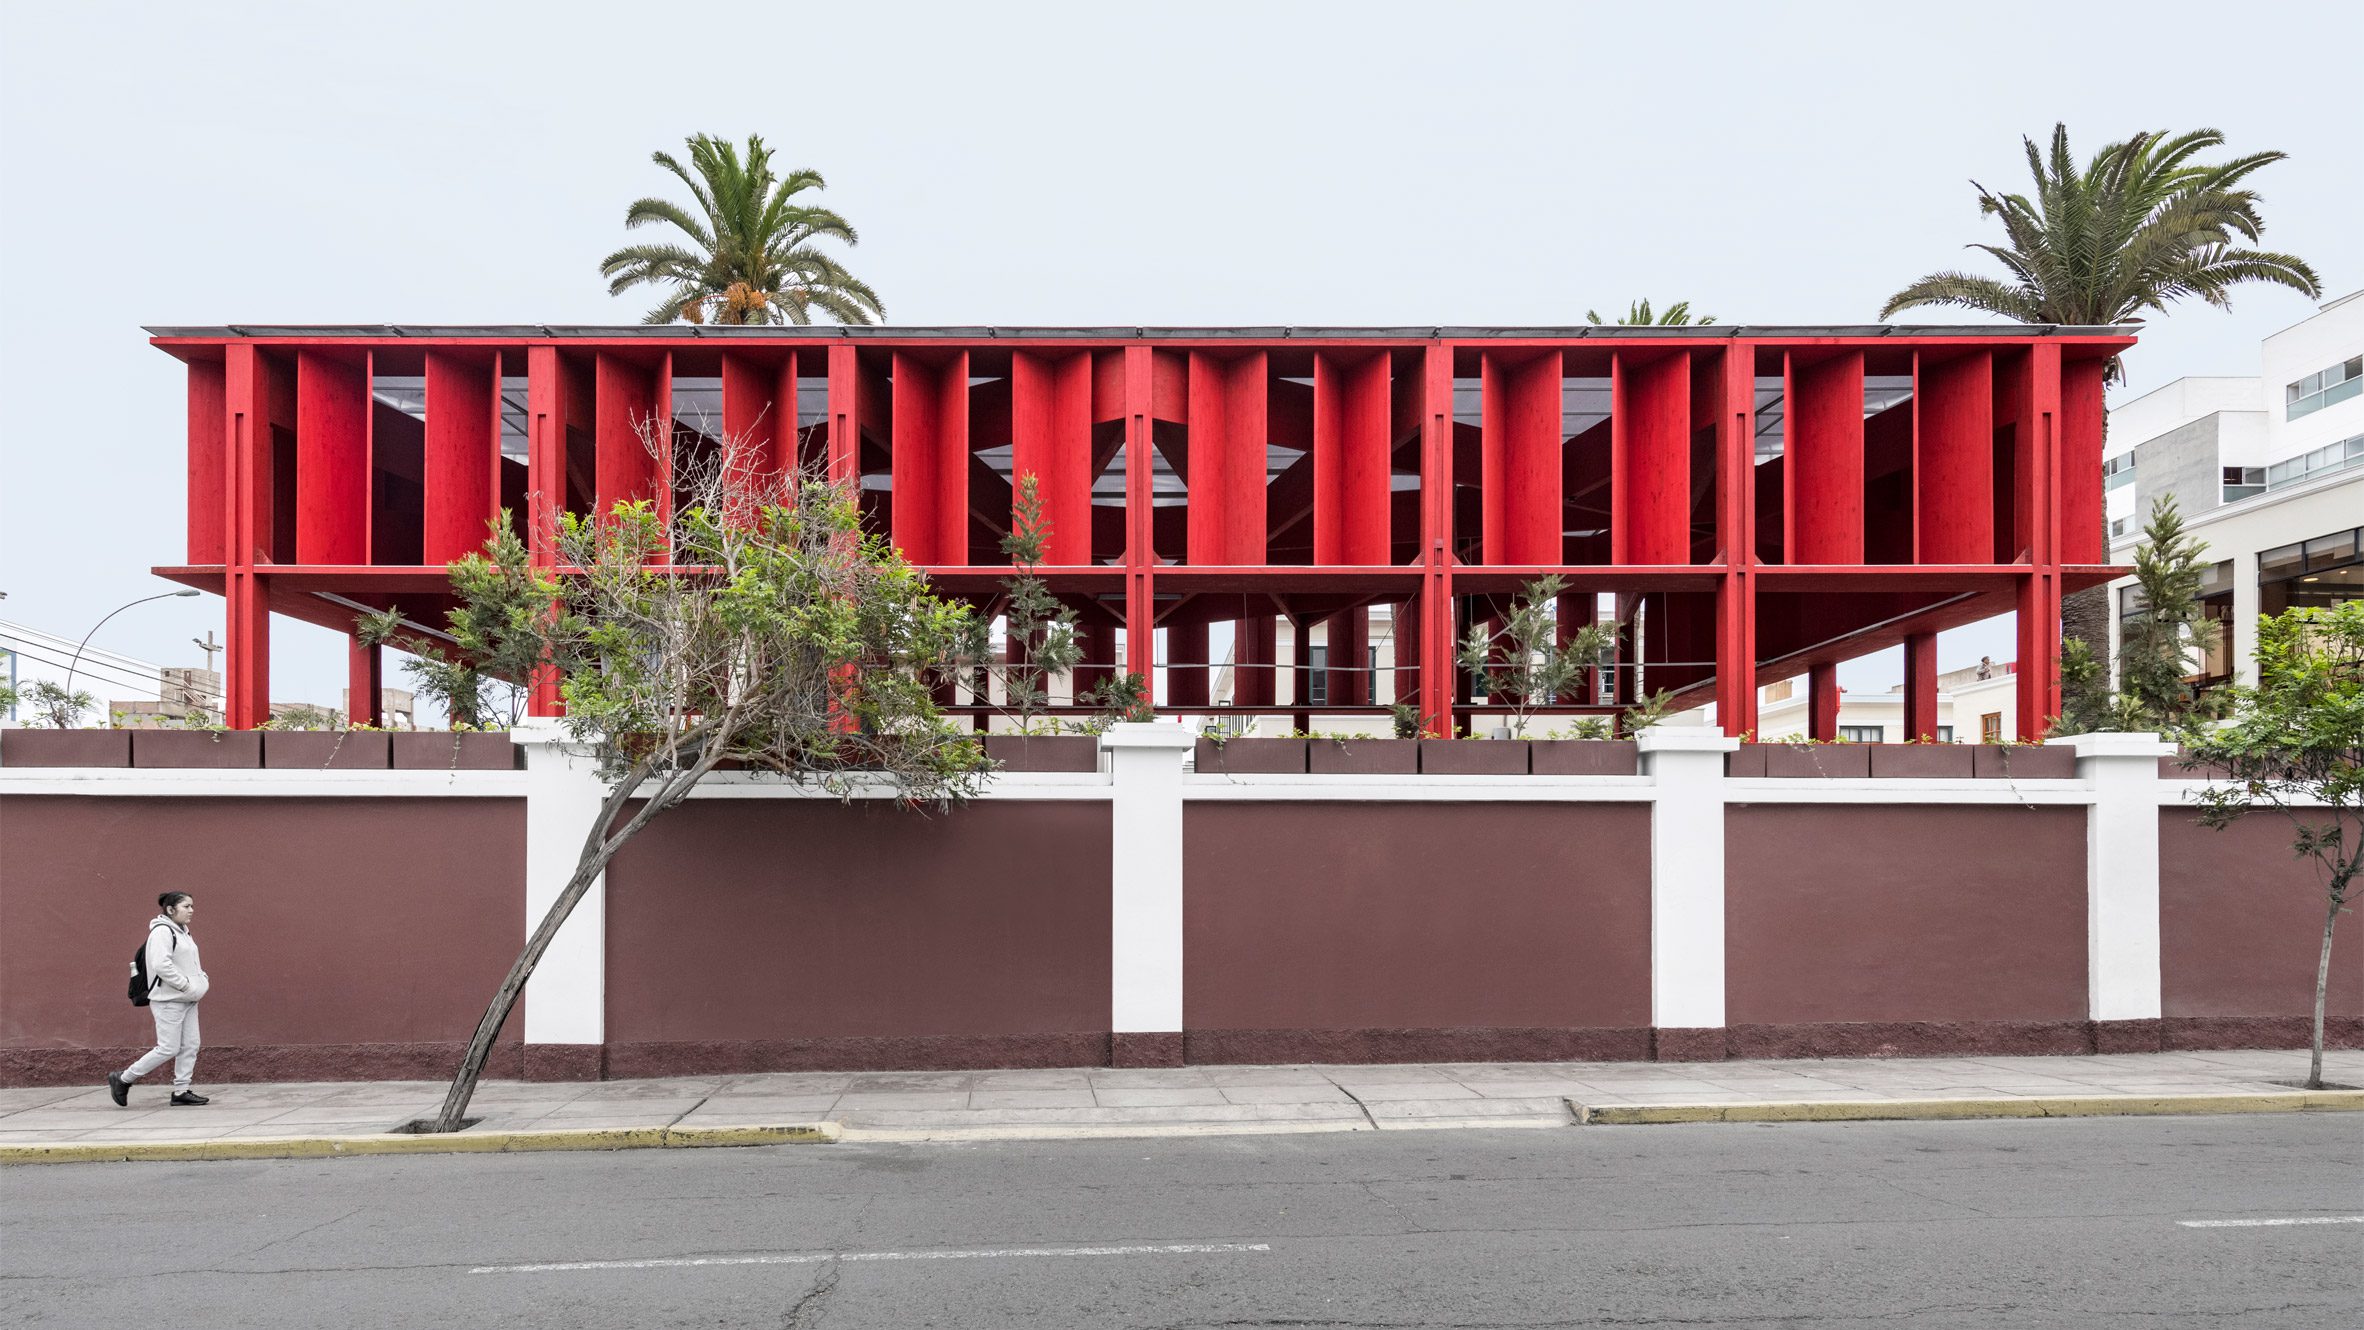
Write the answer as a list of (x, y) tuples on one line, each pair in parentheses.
[(930, 458), (1407, 651), (1736, 528), (1186, 671), (1098, 642), (755, 421), (1225, 519), (1822, 703), (1822, 458), (1301, 672), (1350, 458), (364, 683), (1920, 686), (1140, 533), (845, 416), (2081, 425), (208, 463), (1255, 656), (1436, 540), (246, 635), (1349, 657), (545, 484)]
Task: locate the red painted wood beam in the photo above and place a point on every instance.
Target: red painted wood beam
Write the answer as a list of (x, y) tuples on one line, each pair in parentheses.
[(1347, 660), (1140, 534), (624, 396), (1920, 686), (1736, 516), (208, 497), (1650, 458), (1051, 439), (462, 451), (1520, 467), (1822, 451), (2038, 668), (1350, 458), (753, 429), (2080, 430), (246, 498), (332, 464), (546, 402), (845, 416), (1436, 540), (930, 458), (1953, 458), (1822, 702), (1227, 412)]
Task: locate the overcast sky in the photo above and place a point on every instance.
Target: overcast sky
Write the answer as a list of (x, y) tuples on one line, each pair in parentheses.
[(1200, 163)]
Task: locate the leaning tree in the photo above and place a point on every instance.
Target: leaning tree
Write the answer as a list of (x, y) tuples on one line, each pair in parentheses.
[(754, 624)]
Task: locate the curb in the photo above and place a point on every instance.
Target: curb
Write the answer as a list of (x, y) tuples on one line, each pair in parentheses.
[(1951, 1110), (491, 1142)]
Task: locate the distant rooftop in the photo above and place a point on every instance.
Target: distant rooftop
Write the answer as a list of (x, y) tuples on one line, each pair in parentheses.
[(983, 332)]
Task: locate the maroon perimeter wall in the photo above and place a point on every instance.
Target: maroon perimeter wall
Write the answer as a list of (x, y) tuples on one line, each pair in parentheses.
[(759, 935), (345, 938), (1854, 929), (2240, 934), (1354, 932)]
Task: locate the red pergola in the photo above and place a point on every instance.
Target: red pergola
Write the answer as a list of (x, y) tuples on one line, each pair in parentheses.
[(1774, 500)]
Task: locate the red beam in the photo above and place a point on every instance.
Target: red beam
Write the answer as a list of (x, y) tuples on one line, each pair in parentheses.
[(1650, 458), (930, 458), (1227, 410), (1822, 450), (332, 460), (1736, 515), (1520, 451), (208, 462), (1140, 534), (246, 635), (2081, 426), (1350, 458), (1953, 458), (1051, 439), (1920, 686), (462, 452), (1822, 701), (624, 404)]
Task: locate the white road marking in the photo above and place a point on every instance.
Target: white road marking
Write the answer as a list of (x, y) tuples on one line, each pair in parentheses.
[(2270, 1223), (817, 1258)]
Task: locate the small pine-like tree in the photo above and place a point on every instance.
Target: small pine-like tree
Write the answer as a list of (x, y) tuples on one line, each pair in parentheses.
[(2157, 647), (1039, 637)]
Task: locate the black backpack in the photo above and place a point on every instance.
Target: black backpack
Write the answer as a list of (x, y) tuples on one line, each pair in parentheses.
[(140, 982)]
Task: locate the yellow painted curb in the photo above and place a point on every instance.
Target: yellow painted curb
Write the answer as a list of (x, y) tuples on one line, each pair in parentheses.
[(491, 1142), (1942, 1110)]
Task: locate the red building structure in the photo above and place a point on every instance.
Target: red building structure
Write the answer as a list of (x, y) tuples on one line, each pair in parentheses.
[(1771, 500)]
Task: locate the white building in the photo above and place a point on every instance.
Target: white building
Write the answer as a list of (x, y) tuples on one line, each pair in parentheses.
[(2269, 471), (1974, 705)]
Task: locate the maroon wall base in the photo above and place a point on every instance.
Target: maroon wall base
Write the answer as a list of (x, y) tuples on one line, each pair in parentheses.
[(1680, 1045), (1145, 1048), (234, 1064), (1087, 1048), (1372, 1046), (565, 1062)]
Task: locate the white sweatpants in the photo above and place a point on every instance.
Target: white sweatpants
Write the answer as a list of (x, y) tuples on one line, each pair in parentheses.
[(176, 1043)]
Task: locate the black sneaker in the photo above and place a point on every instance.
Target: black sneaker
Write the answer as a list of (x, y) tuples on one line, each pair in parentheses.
[(189, 1098), (120, 1088)]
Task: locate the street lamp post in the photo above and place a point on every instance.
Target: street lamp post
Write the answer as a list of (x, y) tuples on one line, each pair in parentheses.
[(76, 662)]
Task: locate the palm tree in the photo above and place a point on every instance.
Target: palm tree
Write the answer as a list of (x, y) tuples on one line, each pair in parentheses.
[(2138, 228), (1677, 315), (752, 255)]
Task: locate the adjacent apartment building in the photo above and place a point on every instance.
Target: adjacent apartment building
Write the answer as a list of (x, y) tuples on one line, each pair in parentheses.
[(2268, 470)]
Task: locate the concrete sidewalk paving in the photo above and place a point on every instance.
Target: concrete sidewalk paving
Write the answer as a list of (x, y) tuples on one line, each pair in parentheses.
[(1090, 1101)]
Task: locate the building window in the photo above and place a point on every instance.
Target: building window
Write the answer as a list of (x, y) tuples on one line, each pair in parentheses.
[(2324, 387), (1990, 728), (1945, 734), (2322, 461), (2318, 573), (1317, 689), (2117, 471), (2241, 482), (1862, 734), (2119, 525)]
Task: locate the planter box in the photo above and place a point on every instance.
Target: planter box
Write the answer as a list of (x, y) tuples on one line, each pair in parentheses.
[(1473, 757), (326, 750), (1997, 761), (65, 748), (1044, 752), (466, 750), (1363, 757), (1920, 761), (2172, 768), (1585, 757), (1747, 760), (1838, 761), (241, 749), (1250, 757)]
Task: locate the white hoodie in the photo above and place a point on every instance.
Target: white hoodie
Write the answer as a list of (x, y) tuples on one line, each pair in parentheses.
[(174, 974)]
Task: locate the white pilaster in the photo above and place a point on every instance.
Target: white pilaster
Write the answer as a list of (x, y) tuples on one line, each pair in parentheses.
[(1686, 764), (566, 1000), (2121, 872), (1145, 877)]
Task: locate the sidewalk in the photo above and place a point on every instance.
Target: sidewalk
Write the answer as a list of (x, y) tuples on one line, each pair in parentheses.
[(1099, 1101)]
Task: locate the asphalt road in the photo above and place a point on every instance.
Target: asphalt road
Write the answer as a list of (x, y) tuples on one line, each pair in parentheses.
[(2029, 1223)]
